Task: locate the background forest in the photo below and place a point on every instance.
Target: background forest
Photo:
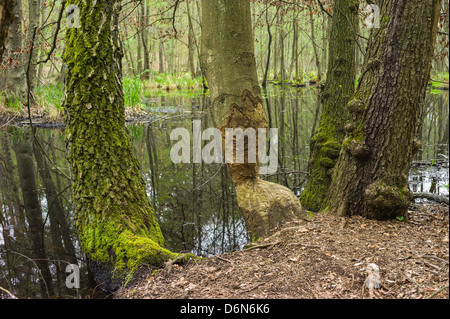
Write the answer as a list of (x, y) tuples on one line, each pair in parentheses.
[(161, 50), (164, 88)]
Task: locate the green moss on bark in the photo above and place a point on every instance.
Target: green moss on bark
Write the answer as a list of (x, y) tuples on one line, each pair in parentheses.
[(116, 223), (339, 88)]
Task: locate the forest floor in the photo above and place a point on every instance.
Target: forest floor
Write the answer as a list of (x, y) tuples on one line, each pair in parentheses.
[(324, 258)]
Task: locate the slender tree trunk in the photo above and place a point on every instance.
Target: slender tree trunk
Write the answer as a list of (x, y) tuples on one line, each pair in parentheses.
[(16, 73), (161, 56), (269, 47), (371, 176), (294, 49), (145, 43), (139, 40), (339, 89), (228, 61), (34, 8), (6, 18), (117, 226), (191, 41), (282, 66), (314, 44), (40, 67), (153, 161)]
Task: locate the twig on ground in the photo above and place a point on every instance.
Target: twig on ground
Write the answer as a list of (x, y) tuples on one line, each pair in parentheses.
[(436, 292), (221, 258), (168, 265), (298, 228), (255, 246), (436, 258)]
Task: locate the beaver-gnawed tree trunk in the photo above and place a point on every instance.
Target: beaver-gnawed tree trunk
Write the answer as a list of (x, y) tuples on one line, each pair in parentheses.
[(371, 175), (339, 89), (116, 223), (228, 62)]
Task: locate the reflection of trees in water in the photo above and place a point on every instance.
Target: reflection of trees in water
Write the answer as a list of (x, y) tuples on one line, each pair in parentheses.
[(195, 203), (37, 237)]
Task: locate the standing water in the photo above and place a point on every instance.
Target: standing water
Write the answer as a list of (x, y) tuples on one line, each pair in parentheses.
[(195, 202)]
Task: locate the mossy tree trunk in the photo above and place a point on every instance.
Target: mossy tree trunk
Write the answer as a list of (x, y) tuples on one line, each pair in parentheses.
[(339, 89), (371, 175), (116, 223), (228, 62)]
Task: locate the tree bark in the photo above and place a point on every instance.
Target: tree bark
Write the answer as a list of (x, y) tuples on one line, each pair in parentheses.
[(314, 44), (145, 43), (6, 18), (161, 56), (339, 89), (16, 73), (117, 226), (34, 6), (371, 176), (228, 62), (191, 42)]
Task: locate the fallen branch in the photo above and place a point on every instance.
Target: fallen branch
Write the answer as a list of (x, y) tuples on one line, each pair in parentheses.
[(298, 228), (9, 293), (168, 265), (252, 288), (436, 292), (433, 197), (221, 258), (436, 258)]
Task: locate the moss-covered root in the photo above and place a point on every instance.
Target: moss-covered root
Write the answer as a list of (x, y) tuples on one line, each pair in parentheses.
[(385, 201), (266, 205), (325, 152), (128, 253)]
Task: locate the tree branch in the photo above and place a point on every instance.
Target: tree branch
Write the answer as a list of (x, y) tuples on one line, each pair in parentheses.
[(173, 17), (55, 36), (323, 9), (433, 197)]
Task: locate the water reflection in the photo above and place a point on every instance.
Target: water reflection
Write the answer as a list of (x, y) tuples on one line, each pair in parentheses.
[(195, 203)]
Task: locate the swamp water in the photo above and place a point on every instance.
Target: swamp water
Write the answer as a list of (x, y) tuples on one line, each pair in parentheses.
[(195, 202)]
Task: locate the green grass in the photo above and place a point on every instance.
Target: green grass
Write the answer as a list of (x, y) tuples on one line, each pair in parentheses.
[(13, 102), (440, 80), (158, 85), (50, 98), (166, 81), (132, 90)]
